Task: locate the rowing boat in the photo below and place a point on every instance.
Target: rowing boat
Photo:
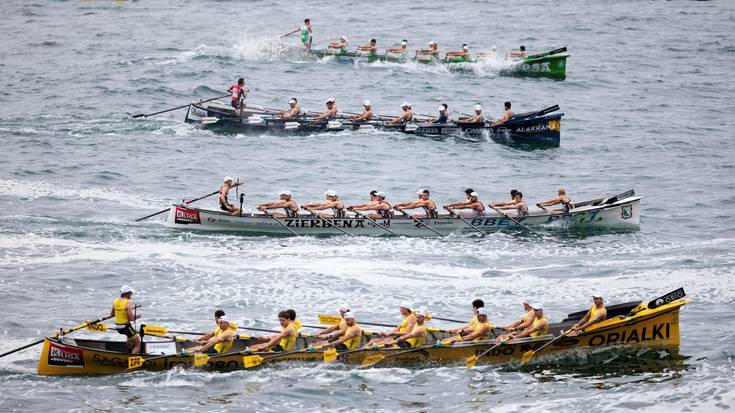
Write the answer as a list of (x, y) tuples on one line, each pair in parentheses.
[(636, 325), (542, 127), (614, 213), (550, 64)]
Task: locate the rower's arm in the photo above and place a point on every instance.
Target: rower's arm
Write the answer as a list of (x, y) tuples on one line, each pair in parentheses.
[(216, 340), (345, 337), (275, 205), (527, 332), (601, 315), (477, 333), (274, 340), (581, 322), (328, 330), (131, 313), (204, 337)]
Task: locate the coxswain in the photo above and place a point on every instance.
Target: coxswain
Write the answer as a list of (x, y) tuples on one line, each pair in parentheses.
[(539, 326), (349, 340), (206, 337), (464, 53), (472, 203), (519, 205), (481, 331), (423, 202), (416, 337), (290, 207), (124, 312), (518, 53), (402, 49), (378, 204), (331, 112), (306, 37), (477, 118), (476, 305), (293, 111), (224, 191), (341, 44), (406, 326), (507, 115), (222, 338), (432, 51), (596, 314), (238, 94), (561, 199), (507, 203), (371, 48), (283, 341), (339, 328), (405, 117), (443, 114), (521, 324), (333, 202), (366, 115)]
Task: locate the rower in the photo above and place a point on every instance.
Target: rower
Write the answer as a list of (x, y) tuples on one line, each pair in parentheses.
[(378, 204), (539, 326), (481, 331), (475, 119), (473, 204), (371, 47), (423, 202), (340, 327), (330, 113), (238, 94), (224, 191), (402, 49), (464, 53), (290, 207), (518, 53), (341, 44), (486, 55), (519, 205), (206, 337), (349, 340), (124, 313), (414, 338), (405, 117), (507, 115), (596, 314), (432, 51), (333, 202), (292, 315), (293, 110), (443, 114), (512, 201), (366, 115), (406, 326), (221, 340), (283, 341), (561, 198), (306, 37), (524, 322), (476, 305)]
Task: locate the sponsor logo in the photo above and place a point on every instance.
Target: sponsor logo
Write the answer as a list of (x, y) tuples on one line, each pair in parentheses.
[(554, 125), (327, 223), (657, 332), (186, 216), (672, 296), (536, 67), (626, 212), (59, 355), (533, 128)]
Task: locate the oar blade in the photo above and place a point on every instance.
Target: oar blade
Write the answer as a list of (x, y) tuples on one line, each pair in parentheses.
[(155, 330), (200, 359), (329, 355), (527, 356), (370, 360), (135, 362), (252, 361), (471, 360), (329, 319)]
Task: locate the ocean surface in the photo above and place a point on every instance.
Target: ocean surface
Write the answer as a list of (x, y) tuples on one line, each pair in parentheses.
[(648, 103)]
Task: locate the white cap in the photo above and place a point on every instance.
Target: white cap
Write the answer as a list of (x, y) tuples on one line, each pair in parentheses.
[(421, 191), (343, 38), (403, 43), (349, 314), (380, 194), (596, 295), (406, 305), (481, 311), (473, 194), (538, 306), (292, 101), (227, 179), (330, 100), (365, 102), (441, 108), (285, 193), (464, 47), (478, 107), (405, 105), (431, 42), (330, 192), (222, 318), (421, 312), (493, 48), (344, 308), (126, 289)]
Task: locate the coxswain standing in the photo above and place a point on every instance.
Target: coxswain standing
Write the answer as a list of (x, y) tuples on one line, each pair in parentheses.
[(224, 191), (293, 111), (290, 207), (238, 95), (366, 115), (331, 112), (306, 37), (519, 205), (423, 202), (283, 341), (478, 118), (405, 117), (333, 202), (464, 54), (507, 115), (597, 313), (561, 199), (378, 204), (473, 203), (124, 313)]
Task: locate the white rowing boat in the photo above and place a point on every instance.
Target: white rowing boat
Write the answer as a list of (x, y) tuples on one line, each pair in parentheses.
[(616, 213)]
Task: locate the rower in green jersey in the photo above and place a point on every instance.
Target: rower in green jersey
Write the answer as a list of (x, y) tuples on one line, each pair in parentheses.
[(340, 45), (432, 51), (306, 37), (402, 49), (463, 55), (370, 48)]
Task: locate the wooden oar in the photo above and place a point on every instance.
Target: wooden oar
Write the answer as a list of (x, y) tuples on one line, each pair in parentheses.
[(325, 221), (419, 222), (471, 360), (62, 333), (431, 317), (160, 331), (143, 115), (185, 203), (377, 358), (555, 51), (332, 319), (288, 34), (514, 220), (527, 356), (374, 223), (451, 213), (255, 360), (268, 214)]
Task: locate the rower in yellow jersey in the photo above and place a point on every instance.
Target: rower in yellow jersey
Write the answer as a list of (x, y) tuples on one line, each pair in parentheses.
[(481, 331), (539, 327), (340, 327), (285, 340), (124, 314), (596, 314), (476, 304), (222, 338), (523, 323), (407, 324), (292, 316), (347, 341), (204, 338), (416, 337)]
